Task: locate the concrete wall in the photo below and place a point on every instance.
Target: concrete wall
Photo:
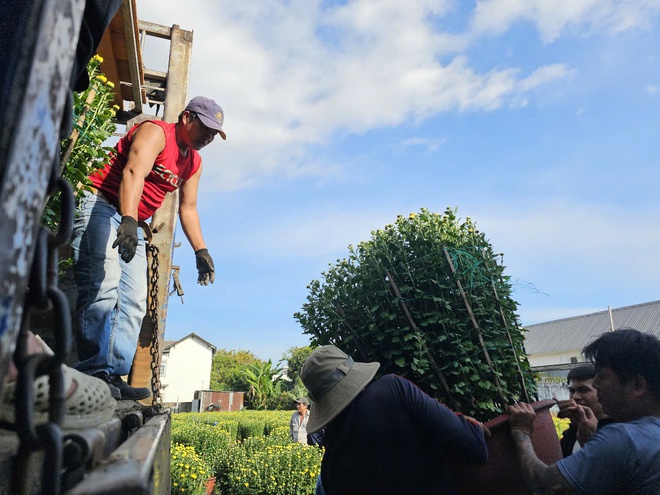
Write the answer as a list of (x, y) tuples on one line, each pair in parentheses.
[(186, 367)]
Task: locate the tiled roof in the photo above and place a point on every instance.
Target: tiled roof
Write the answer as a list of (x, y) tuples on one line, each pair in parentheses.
[(569, 334)]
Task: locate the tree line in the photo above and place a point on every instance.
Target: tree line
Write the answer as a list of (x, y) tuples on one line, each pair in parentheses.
[(267, 385)]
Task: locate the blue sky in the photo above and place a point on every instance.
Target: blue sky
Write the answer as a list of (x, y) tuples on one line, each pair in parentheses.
[(539, 119)]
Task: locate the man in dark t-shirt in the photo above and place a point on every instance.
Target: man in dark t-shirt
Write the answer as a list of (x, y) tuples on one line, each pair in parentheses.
[(581, 392), (383, 436)]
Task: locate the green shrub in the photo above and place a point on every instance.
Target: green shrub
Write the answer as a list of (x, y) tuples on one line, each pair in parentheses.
[(209, 441), (251, 428), (269, 465), (93, 123), (261, 459), (188, 471), (427, 298)]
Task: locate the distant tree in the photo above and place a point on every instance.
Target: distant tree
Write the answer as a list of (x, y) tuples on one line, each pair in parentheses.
[(227, 370), (295, 357), (263, 379)]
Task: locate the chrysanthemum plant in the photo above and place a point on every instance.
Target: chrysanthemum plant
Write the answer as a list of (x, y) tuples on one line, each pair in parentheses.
[(427, 297)]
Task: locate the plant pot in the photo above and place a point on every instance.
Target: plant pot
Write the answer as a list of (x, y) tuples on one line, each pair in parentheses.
[(501, 475), (210, 484)]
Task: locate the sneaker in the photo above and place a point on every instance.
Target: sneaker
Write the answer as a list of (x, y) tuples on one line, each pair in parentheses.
[(102, 375), (87, 406), (127, 392)]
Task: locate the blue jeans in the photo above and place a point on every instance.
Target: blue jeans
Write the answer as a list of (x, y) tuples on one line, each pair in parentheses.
[(112, 294), (319, 486)]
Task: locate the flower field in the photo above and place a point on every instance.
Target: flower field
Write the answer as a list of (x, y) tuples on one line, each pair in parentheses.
[(249, 452)]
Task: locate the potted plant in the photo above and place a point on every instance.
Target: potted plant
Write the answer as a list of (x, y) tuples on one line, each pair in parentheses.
[(427, 297)]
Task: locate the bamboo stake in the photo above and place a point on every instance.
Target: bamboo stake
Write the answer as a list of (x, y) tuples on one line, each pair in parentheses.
[(476, 327), (359, 342), (441, 377), (513, 349), (76, 133)]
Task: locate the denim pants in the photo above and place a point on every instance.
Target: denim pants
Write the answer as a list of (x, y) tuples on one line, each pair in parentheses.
[(112, 294)]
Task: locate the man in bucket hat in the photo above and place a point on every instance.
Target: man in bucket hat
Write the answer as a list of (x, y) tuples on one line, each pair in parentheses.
[(383, 436), (110, 265)]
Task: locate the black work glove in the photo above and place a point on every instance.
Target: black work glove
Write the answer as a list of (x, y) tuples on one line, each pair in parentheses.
[(127, 238), (204, 267)]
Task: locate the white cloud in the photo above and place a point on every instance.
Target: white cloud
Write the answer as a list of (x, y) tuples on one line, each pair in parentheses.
[(319, 233), (553, 17), (651, 89), (431, 145), (289, 76)]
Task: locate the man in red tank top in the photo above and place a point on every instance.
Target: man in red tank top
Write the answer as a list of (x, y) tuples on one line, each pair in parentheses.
[(109, 255)]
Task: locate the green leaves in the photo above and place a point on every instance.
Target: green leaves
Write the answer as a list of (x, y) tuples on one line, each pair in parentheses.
[(395, 299), (93, 124), (262, 378)]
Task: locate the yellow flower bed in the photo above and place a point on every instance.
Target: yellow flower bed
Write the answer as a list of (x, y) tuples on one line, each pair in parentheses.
[(250, 451), (188, 471), (561, 424)]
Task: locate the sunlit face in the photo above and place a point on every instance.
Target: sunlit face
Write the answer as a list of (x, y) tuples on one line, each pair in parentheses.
[(584, 393), (302, 408)]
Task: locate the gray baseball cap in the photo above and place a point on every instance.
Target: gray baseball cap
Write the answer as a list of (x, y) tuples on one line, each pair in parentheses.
[(209, 112)]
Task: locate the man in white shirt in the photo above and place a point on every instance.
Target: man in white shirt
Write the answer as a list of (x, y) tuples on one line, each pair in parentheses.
[(298, 423)]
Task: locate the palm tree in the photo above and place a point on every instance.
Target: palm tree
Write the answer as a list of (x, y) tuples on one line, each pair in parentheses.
[(263, 383)]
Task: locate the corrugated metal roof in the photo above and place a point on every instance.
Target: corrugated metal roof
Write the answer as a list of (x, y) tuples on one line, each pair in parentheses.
[(570, 334)]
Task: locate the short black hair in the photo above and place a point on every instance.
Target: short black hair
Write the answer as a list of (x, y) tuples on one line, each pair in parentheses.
[(628, 352), (583, 372)]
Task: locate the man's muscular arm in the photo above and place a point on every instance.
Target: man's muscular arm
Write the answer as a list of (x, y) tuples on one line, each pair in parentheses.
[(148, 141), (193, 230), (539, 478), (188, 211)]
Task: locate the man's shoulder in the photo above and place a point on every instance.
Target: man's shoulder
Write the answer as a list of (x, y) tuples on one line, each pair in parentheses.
[(390, 382), (631, 433)]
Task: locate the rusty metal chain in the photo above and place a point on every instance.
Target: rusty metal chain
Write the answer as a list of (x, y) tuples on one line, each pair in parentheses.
[(154, 350), (44, 294)]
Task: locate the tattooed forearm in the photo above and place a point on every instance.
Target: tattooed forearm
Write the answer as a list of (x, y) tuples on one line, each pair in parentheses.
[(539, 478)]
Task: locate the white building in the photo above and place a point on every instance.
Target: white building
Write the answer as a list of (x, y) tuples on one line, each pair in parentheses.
[(558, 344), (185, 368)]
